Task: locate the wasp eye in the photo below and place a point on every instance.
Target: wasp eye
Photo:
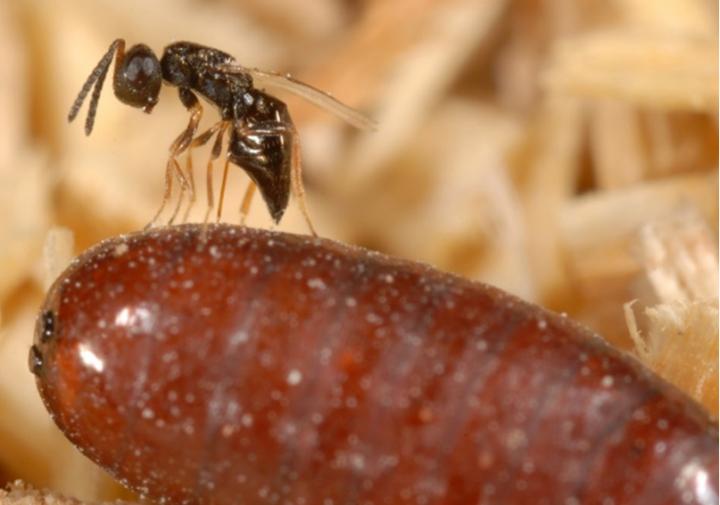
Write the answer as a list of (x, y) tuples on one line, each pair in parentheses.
[(139, 70), (138, 81)]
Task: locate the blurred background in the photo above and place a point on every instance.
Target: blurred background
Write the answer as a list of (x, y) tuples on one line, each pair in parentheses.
[(563, 150)]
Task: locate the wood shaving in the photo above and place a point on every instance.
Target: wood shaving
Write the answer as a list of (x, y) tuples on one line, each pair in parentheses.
[(679, 257), (565, 150)]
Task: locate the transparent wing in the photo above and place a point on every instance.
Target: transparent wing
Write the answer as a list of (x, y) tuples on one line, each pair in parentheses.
[(263, 79)]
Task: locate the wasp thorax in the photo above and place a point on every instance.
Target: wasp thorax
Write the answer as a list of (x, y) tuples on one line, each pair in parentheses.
[(138, 80)]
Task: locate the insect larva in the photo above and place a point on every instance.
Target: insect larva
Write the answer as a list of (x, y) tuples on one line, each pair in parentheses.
[(244, 366)]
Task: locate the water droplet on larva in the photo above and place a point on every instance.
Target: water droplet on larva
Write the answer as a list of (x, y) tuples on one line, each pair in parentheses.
[(515, 439), (316, 283), (294, 377), (120, 249), (239, 337), (425, 415), (357, 461)]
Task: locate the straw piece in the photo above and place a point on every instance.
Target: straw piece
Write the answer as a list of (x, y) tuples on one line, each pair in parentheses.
[(644, 70), (20, 493)]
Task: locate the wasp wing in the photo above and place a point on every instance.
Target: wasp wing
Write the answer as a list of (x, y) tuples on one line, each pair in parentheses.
[(331, 104)]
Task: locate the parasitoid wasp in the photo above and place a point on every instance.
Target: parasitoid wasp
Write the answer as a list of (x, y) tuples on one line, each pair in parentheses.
[(263, 140)]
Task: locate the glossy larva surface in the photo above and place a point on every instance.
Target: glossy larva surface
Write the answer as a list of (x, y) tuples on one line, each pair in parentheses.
[(255, 367)]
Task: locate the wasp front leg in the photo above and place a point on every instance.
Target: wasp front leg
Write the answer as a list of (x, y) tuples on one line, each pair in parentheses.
[(180, 144)]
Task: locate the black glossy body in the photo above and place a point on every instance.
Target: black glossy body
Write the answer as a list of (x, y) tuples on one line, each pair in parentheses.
[(260, 137)]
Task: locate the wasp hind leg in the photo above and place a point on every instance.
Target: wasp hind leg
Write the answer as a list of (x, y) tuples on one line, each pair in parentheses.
[(246, 201), (296, 182)]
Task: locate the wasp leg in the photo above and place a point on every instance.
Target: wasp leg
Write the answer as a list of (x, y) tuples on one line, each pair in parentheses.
[(169, 173), (172, 170), (189, 171), (191, 103), (222, 189), (247, 200), (220, 128), (184, 142), (179, 145), (198, 141), (296, 182), (184, 186)]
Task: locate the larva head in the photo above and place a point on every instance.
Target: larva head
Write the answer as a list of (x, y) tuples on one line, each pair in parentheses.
[(89, 335)]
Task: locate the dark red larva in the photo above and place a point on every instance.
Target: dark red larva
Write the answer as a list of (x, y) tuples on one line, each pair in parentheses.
[(257, 367)]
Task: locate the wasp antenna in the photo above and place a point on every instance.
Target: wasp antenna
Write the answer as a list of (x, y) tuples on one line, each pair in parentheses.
[(97, 77), (92, 109)]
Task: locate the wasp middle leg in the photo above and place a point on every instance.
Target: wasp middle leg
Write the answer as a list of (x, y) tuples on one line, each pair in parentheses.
[(219, 128)]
